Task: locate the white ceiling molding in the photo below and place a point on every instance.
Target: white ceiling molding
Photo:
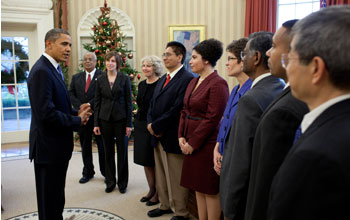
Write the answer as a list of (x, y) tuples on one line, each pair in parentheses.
[(39, 4)]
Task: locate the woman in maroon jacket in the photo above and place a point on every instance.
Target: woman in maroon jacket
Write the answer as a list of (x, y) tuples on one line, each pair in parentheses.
[(204, 104)]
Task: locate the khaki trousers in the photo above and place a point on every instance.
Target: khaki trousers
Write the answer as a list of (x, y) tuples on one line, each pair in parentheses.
[(168, 169)]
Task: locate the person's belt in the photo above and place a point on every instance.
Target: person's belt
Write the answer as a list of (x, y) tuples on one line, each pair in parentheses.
[(194, 118)]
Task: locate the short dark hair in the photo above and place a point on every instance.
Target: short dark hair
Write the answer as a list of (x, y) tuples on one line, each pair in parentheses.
[(236, 46), (54, 34), (118, 58), (325, 34), (178, 48), (261, 42), (210, 50)]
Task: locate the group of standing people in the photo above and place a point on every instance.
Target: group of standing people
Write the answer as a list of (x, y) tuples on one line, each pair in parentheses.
[(242, 154)]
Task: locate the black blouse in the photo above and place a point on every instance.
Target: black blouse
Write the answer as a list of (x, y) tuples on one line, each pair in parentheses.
[(144, 96)]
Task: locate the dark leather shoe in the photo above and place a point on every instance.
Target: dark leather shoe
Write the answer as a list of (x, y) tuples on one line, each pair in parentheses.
[(122, 191), (179, 218), (109, 188), (158, 212), (85, 179), (150, 203), (145, 199)]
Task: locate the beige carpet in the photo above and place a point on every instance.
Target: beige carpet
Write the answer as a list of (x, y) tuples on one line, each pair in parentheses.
[(18, 190)]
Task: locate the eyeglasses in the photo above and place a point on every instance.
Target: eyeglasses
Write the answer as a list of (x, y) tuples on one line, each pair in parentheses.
[(167, 55), (231, 58)]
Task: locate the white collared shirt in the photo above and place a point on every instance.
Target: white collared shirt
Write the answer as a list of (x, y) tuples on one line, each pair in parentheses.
[(286, 86), (310, 117), (92, 73), (257, 79), (52, 61), (172, 74)]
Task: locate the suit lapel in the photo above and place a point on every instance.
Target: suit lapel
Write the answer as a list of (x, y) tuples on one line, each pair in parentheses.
[(280, 96)]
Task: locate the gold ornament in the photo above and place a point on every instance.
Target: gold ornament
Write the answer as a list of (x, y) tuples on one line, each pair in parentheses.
[(107, 50), (130, 55), (131, 76), (107, 16), (119, 53), (108, 42)]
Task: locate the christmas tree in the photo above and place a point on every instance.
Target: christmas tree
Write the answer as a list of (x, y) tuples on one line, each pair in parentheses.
[(107, 37)]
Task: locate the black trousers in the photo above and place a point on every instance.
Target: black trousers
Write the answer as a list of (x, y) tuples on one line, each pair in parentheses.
[(113, 132), (85, 134), (50, 182)]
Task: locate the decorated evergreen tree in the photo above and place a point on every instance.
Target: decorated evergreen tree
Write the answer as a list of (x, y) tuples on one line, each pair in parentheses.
[(107, 37)]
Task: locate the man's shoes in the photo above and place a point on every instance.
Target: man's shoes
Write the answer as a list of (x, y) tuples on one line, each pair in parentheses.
[(110, 188), (150, 203), (85, 179), (122, 190), (145, 199), (158, 212), (179, 218)]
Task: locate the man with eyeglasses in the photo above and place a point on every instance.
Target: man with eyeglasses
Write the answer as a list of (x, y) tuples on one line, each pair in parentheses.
[(163, 124), (276, 130), (313, 182), (234, 176), (82, 90)]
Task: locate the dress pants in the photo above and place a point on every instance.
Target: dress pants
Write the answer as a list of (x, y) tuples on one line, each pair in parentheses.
[(50, 182), (85, 134), (168, 167), (113, 132)]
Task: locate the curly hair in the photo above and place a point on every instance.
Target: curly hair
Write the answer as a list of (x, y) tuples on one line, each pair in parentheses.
[(210, 50), (156, 62), (236, 46)]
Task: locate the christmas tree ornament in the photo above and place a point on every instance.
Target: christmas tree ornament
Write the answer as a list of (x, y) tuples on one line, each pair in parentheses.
[(108, 42), (107, 16), (131, 76), (119, 53), (104, 23), (138, 76), (130, 55), (96, 51)]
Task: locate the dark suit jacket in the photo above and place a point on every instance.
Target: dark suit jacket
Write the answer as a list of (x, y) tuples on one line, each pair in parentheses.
[(235, 170), (51, 128), (313, 182), (165, 107), (273, 139), (113, 104), (77, 89)]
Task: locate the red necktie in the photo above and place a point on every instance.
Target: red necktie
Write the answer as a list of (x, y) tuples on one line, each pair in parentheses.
[(88, 81), (167, 80)]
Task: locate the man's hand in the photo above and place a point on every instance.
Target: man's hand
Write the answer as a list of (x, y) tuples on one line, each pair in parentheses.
[(149, 128), (97, 131), (217, 159), (84, 114), (128, 131), (84, 106)]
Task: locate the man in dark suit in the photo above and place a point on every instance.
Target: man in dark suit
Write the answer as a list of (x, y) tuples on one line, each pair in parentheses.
[(314, 179), (276, 130), (52, 124), (82, 90), (163, 123), (234, 176)]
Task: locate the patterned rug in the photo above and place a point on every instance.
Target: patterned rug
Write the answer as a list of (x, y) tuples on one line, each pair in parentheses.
[(79, 214)]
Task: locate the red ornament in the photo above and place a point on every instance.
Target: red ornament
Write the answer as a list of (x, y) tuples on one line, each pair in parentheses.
[(96, 51), (104, 23), (138, 76), (124, 58)]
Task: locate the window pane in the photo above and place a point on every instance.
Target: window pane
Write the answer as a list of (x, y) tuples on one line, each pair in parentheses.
[(22, 95), (286, 1), (285, 13), (22, 71), (301, 1), (21, 48), (10, 120), (302, 10), (7, 73), (6, 48), (24, 118), (316, 6), (8, 96)]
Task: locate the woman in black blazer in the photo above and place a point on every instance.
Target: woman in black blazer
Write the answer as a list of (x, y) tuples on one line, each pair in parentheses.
[(113, 120)]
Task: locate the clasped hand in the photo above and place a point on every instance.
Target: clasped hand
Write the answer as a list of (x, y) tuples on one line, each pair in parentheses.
[(84, 113), (186, 148)]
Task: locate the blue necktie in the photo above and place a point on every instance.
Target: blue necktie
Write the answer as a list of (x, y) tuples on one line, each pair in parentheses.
[(60, 72), (297, 134)]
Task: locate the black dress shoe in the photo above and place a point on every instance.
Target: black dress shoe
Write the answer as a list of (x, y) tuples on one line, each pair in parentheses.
[(179, 218), (85, 179), (109, 188), (145, 199), (122, 191), (150, 203), (158, 212)]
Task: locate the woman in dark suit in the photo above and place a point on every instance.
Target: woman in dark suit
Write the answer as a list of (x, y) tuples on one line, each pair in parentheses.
[(152, 69), (204, 104), (113, 115)]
